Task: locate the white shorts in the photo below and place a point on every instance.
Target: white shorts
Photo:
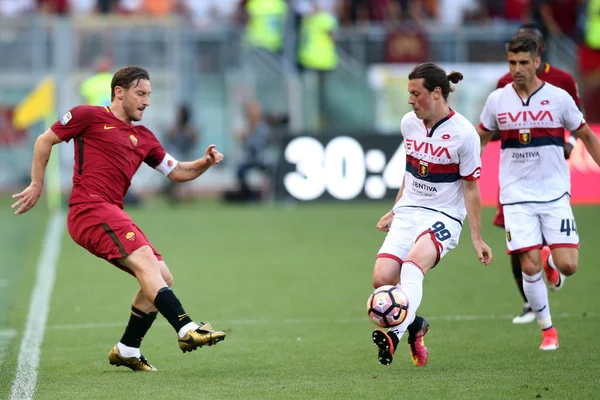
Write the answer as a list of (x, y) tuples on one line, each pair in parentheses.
[(410, 223), (528, 224)]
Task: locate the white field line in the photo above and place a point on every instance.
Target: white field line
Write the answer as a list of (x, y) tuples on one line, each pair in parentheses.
[(259, 321), (29, 353)]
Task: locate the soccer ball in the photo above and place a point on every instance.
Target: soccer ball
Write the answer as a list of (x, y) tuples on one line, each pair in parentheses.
[(387, 306)]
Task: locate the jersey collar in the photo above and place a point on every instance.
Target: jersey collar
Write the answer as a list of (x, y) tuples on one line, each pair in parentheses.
[(440, 122)]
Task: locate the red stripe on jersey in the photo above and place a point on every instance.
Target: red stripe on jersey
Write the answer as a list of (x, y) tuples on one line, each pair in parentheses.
[(483, 127), (474, 176), (433, 167), (513, 134)]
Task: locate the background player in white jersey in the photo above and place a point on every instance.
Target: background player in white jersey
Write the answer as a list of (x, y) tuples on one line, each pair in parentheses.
[(531, 116), (440, 188), (564, 80)]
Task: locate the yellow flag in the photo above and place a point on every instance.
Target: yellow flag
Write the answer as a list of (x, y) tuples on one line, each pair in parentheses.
[(38, 105)]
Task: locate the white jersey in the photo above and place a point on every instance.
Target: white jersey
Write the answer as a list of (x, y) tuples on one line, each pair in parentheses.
[(532, 162), (437, 161)]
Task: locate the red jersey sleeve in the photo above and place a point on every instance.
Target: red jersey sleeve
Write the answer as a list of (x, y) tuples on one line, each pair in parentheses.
[(74, 122), (156, 154), (505, 80), (570, 86)]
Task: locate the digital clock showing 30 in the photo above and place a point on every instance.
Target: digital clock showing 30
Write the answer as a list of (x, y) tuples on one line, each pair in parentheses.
[(344, 167)]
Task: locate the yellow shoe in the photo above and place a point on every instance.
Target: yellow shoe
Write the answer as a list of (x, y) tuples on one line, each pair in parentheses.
[(204, 335), (134, 363)]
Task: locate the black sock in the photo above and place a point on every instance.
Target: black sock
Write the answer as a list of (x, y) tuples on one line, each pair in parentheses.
[(515, 261), (139, 324), (170, 307)]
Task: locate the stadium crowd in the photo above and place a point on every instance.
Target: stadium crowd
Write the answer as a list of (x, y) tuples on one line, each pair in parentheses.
[(575, 22)]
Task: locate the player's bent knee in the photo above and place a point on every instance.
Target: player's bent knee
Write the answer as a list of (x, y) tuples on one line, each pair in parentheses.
[(383, 280), (568, 268), (168, 277), (141, 259), (386, 272)]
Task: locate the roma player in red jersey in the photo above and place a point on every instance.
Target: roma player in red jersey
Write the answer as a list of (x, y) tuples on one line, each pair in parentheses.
[(109, 149), (565, 81)]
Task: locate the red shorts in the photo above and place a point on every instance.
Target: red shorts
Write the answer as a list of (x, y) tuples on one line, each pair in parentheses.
[(106, 231)]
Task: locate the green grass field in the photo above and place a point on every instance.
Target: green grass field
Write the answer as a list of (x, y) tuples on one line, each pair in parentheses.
[(290, 284)]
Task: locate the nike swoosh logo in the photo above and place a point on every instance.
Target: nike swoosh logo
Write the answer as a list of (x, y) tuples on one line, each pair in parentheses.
[(109, 127), (541, 309), (124, 360), (189, 340)]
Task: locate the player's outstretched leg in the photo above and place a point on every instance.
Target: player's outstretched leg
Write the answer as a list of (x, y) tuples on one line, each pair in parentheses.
[(127, 351), (554, 278), (136, 363), (527, 315), (387, 343), (191, 335), (416, 334)]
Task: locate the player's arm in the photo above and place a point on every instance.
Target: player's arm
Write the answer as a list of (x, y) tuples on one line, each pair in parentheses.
[(488, 128), (473, 206), (590, 140), (486, 136), (189, 170), (41, 154), (385, 221), (570, 86)]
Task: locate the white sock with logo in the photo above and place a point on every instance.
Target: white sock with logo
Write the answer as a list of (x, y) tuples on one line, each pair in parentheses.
[(127, 351), (411, 283), (537, 295)]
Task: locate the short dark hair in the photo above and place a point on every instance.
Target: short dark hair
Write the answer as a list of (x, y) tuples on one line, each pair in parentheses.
[(125, 76), (535, 27), (434, 76), (524, 43)]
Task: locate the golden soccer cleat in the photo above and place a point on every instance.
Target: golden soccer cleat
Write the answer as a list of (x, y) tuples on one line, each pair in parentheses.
[(134, 363), (204, 335)]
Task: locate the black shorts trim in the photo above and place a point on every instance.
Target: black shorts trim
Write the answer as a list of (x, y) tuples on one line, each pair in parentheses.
[(538, 202), (115, 239), (441, 212)]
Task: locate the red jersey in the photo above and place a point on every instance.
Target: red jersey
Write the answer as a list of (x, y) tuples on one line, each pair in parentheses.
[(108, 152), (554, 76)]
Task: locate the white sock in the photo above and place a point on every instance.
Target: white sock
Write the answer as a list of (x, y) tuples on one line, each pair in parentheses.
[(411, 283), (551, 262), (190, 326), (127, 351), (537, 295)]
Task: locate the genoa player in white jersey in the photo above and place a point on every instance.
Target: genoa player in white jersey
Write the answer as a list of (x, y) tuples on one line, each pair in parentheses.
[(531, 116), (440, 188)]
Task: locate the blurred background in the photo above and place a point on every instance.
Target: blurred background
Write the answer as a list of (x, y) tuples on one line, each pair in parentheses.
[(304, 97)]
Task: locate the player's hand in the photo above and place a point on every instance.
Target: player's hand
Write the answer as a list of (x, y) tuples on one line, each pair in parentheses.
[(484, 253), (212, 156), (27, 198), (384, 223)]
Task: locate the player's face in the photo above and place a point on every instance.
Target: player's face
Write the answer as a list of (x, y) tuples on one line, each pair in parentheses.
[(421, 99), (136, 99), (522, 67)]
